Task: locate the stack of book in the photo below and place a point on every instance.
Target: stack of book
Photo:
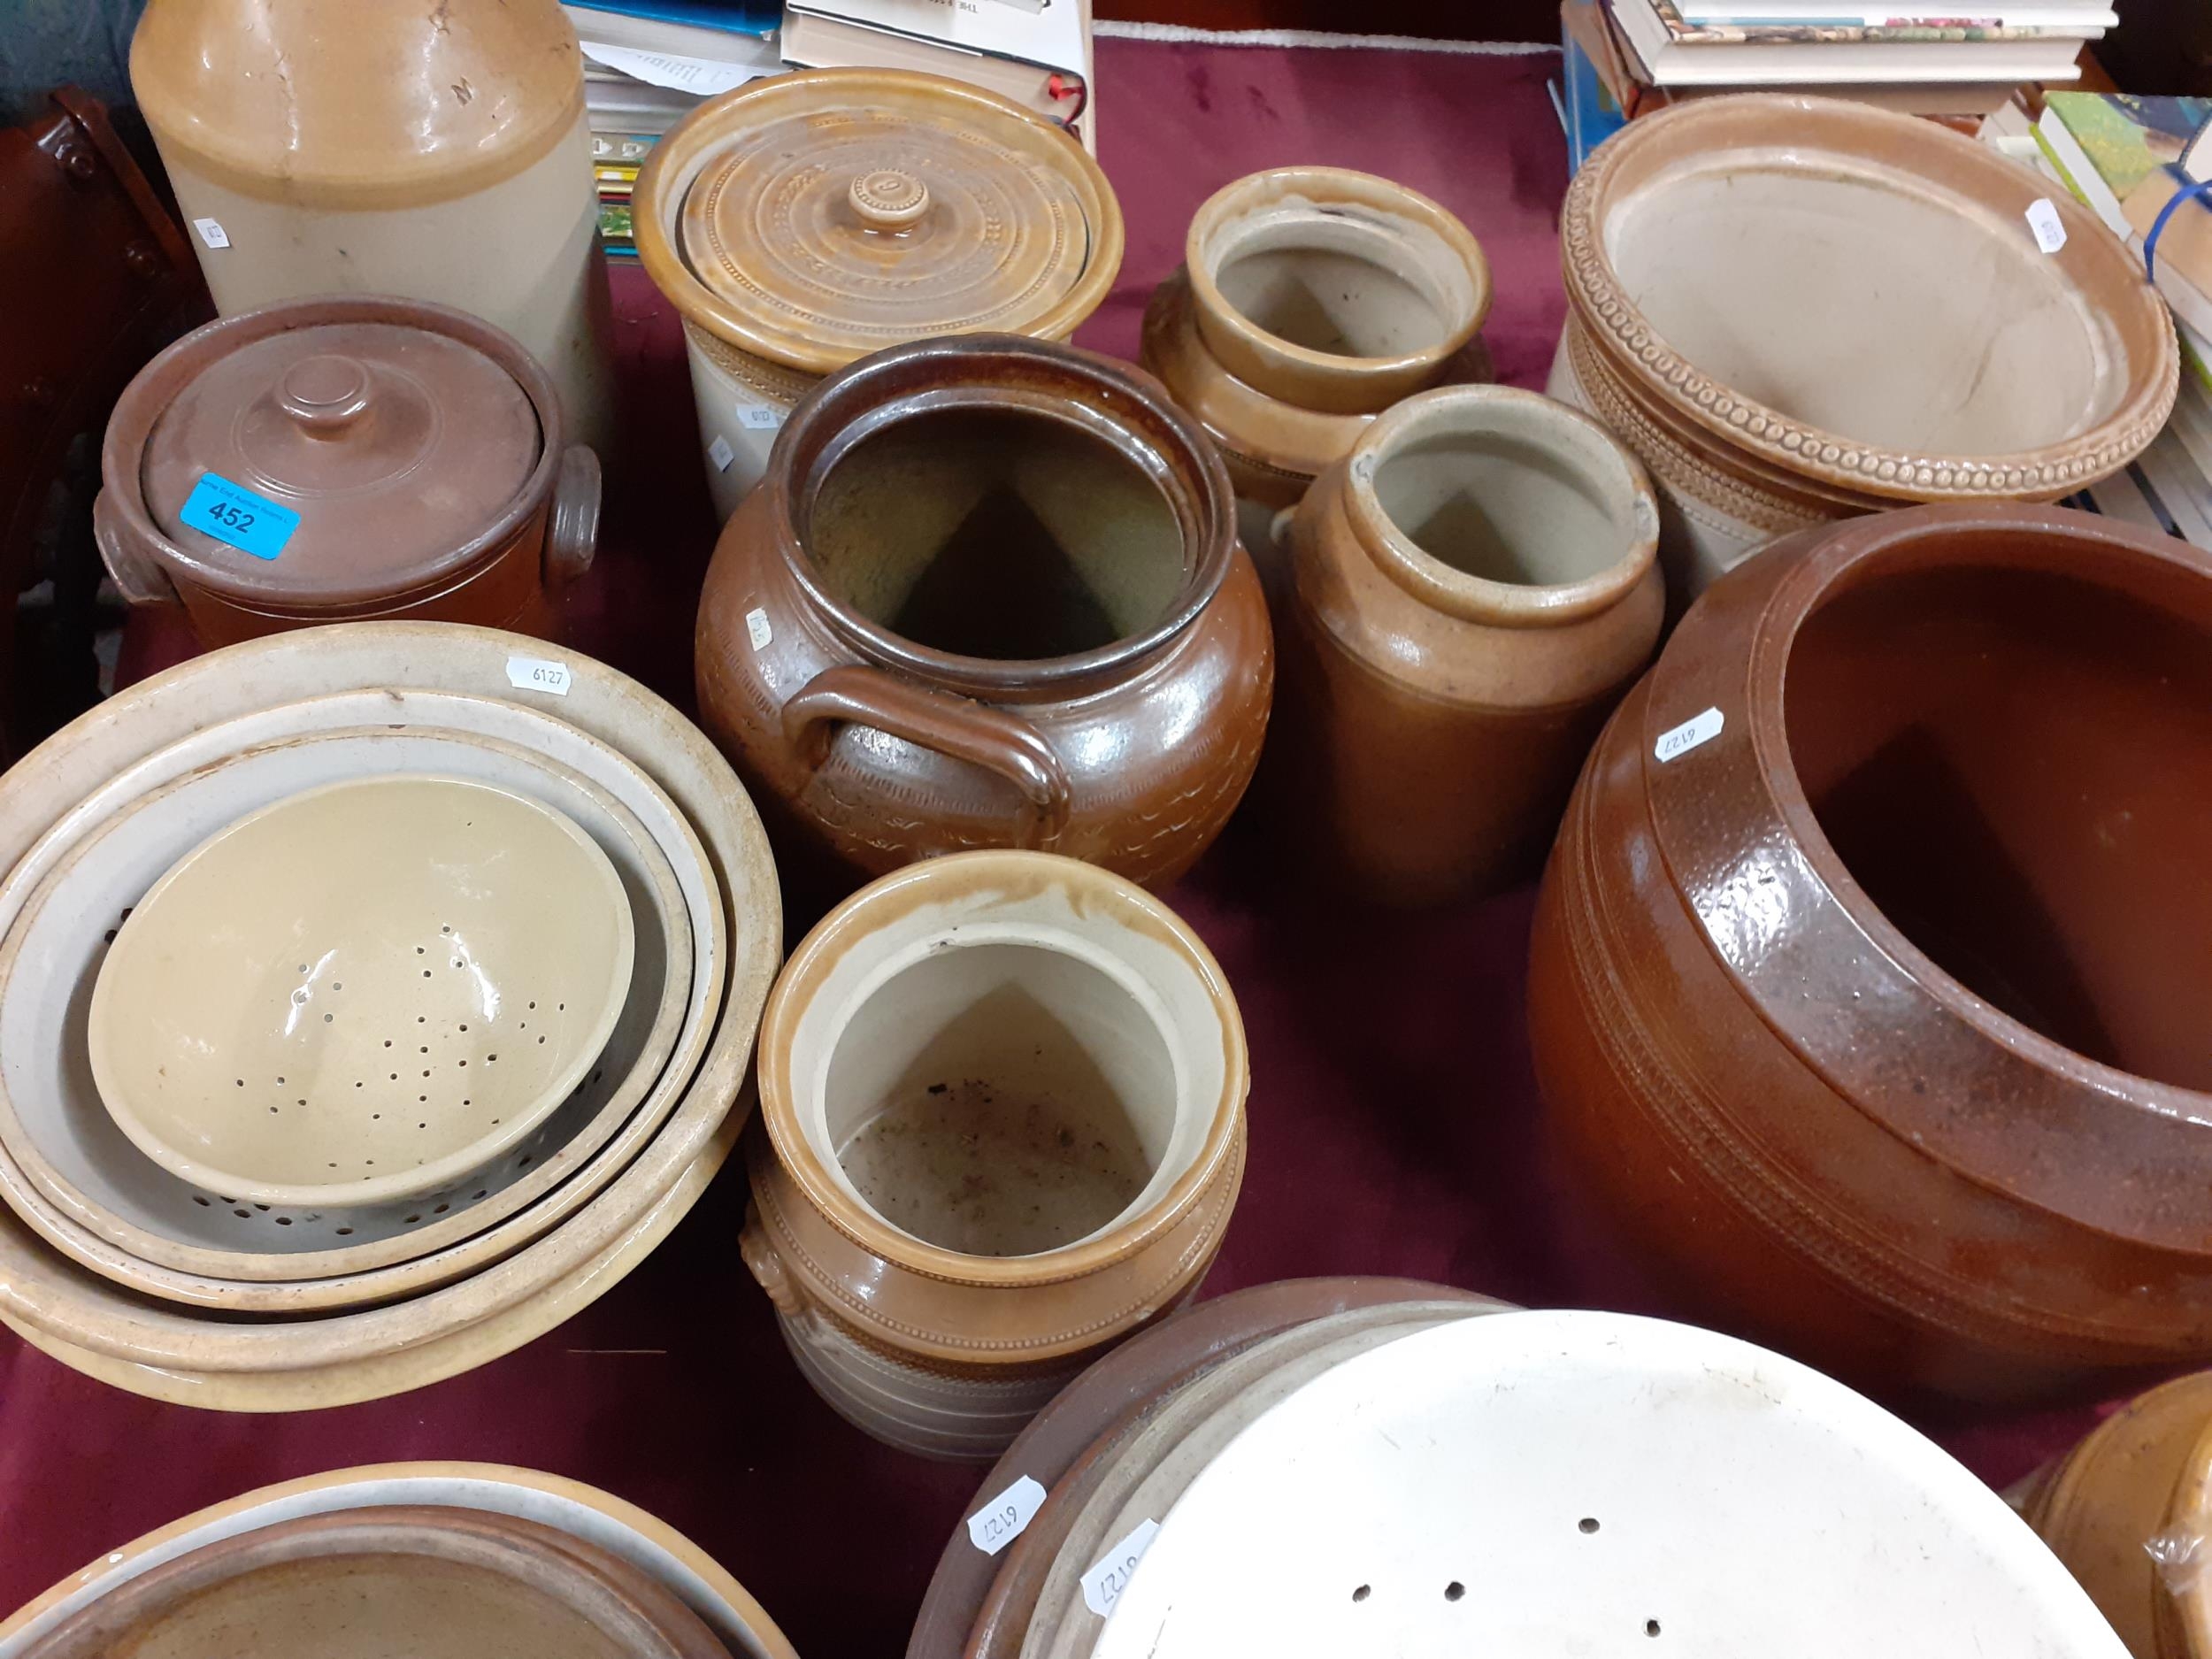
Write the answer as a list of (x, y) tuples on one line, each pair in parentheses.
[(2127, 157), (1625, 58), (647, 63)]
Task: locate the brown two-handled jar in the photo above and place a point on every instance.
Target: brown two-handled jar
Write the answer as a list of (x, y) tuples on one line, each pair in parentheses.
[(1869, 984), (1002, 1097), (1309, 300), (989, 593), (1471, 592), (344, 459)]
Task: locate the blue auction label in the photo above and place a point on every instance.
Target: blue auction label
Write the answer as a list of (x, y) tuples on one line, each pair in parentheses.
[(233, 513)]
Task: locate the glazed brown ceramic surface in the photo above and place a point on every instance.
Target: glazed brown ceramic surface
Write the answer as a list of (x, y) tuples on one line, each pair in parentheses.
[(1471, 590), (1868, 975), (2115, 1493), (421, 448), (989, 593), (1788, 273), (1131, 1378), (363, 1584)]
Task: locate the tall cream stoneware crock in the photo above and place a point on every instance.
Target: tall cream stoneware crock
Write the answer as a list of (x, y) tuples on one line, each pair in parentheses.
[(438, 152)]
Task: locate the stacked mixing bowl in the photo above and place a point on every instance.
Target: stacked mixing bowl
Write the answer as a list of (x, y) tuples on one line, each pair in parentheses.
[(371, 997)]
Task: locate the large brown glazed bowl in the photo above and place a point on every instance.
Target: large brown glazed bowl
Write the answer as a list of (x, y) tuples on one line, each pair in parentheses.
[(1869, 976), (1856, 296), (989, 593)]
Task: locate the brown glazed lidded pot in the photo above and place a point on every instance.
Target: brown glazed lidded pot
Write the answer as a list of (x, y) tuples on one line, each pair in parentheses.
[(807, 219), (1002, 1097), (1309, 300), (990, 593), (1471, 590), (340, 459), (1869, 978)]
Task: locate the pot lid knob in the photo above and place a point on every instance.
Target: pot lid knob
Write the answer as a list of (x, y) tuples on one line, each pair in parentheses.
[(325, 393), (887, 199)]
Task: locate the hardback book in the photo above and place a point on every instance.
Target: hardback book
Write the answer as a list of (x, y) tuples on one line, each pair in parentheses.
[(2179, 486), (1588, 109), (2070, 16), (1040, 60), (694, 28), (1672, 54), (2124, 157)]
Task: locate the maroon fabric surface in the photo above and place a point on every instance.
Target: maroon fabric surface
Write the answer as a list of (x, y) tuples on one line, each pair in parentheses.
[(1394, 1119)]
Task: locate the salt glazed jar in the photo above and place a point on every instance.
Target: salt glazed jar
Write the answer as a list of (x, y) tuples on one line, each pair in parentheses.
[(1868, 983), (1003, 1098), (989, 593), (342, 459), (1471, 590), (1310, 299), (808, 219), (440, 152)]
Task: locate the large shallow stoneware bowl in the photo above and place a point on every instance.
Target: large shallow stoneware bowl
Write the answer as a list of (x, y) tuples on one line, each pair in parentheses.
[(1005, 1101), (1857, 296), (1868, 975), (73, 1310), (592, 1518), (79, 1164), (439, 1583), (1587, 1482), (69, 1173), (236, 1071)]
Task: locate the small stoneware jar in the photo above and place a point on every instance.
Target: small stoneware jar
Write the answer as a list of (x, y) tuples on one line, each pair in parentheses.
[(1309, 300), (808, 219), (342, 459), (1003, 1103), (990, 593), (438, 152), (1472, 589)]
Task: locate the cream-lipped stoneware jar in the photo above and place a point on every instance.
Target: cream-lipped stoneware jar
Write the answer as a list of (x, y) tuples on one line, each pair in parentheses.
[(811, 219), (438, 152), (1004, 1096), (1310, 299)]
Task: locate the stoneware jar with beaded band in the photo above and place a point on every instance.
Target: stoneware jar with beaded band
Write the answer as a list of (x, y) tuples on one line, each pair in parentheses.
[(808, 219), (442, 152), (1868, 981), (990, 593), (1310, 299), (1002, 1097), (1773, 283)]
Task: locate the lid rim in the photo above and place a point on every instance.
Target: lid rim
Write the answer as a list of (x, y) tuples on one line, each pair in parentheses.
[(155, 388)]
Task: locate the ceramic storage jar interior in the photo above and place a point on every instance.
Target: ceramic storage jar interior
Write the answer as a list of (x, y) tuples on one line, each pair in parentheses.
[(1310, 299), (1781, 274), (1472, 589), (344, 458), (437, 1582), (2122, 1494), (808, 219), (1869, 972), (989, 593), (1003, 1098), (326, 147)]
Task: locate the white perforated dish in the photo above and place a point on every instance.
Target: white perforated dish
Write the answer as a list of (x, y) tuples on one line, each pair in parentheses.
[(72, 1174)]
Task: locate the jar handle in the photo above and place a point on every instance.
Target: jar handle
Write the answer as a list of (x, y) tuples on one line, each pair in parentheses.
[(959, 726), (139, 577), (765, 1262), (572, 534)]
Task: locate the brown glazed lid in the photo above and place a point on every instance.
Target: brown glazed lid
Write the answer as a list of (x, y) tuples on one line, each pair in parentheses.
[(828, 215), (396, 445)]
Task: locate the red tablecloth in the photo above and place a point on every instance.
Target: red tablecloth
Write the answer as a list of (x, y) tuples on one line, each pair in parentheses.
[(1393, 1114)]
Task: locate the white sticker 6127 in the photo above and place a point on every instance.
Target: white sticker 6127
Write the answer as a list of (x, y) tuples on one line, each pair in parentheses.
[(1103, 1583), (1702, 728), (2043, 219), (211, 232), (758, 417), (1001, 1521), (534, 673)]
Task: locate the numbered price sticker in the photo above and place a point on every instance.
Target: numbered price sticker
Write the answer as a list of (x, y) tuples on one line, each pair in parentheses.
[(1001, 1521), (2049, 229), (1698, 729), (534, 673), (1103, 1583), (211, 232), (759, 418), (720, 453), (234, 516), (756, 628)]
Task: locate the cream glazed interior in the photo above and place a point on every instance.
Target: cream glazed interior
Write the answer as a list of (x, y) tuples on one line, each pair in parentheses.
[(1012, 1068)]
